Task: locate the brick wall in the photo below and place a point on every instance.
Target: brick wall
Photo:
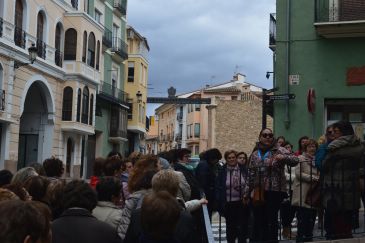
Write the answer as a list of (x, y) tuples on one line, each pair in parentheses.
[(352, 10), (237, 124)]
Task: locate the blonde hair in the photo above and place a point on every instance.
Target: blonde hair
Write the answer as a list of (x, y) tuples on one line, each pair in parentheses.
[(166, 180)]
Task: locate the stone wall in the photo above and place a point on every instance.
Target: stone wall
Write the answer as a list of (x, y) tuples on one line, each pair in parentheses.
[(237, 124)]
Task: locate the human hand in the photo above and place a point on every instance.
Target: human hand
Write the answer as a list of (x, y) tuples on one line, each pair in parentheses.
[(279, 157), (203, 201)]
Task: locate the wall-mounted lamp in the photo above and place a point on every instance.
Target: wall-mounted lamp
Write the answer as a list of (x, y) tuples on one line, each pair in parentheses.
[(268, 74), (139, 96), (32, 57)]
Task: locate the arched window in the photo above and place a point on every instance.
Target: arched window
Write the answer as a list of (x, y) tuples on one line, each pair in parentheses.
[(19, 34), (67, 104), (91, 109), (78, 105), (41, 46), (97, 55), (58, 38), (91, 50), (85, 105), (2, 92), (84, 45), (70, 44)]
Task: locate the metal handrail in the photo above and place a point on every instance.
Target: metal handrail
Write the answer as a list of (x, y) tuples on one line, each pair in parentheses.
[(107, 37), (120, 47)]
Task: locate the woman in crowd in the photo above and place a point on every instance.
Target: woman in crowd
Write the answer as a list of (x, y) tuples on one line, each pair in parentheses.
[(242, 159), (268, 185), (306, 175), (139, 185), (106, 210), (98, 171), (230, 189), (301, 143), (340, 185), (280, 141)]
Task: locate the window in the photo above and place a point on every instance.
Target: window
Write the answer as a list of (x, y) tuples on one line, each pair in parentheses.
[(70, 44), (41, 46), (115, 30), (40, 26), (58, 55), (97, 16), (91, 110), (130, 111), (91, 50), (233, 97), (18, 31), (97, 55), (67, 104), (197, 130), (197, 107), (141, 76), (85, 105), (196, 149), (84, 46), (130, 71), (78, 105)]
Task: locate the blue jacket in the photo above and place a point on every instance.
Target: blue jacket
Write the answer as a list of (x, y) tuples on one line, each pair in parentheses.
[(320, 155)]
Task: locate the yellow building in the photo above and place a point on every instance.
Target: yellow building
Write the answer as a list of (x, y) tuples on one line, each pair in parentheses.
[(166, 126), (47, 105), (136, 87)]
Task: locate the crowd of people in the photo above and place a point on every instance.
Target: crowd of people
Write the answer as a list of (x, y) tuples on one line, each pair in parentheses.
[(149, 198)]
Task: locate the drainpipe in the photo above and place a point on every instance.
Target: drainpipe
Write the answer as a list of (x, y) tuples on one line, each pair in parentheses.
[(287, 67)]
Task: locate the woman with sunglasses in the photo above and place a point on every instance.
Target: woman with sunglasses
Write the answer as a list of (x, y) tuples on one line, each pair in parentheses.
[(230, 189), (267, 185)]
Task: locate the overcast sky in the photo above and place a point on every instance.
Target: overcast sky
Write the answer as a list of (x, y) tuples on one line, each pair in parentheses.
[(198, 42)]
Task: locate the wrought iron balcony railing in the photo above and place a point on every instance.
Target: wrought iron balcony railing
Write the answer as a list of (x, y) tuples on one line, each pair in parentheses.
[(41, 49), (339, 10), (121, 5), (75, 4), (19, 37), (115, 132), (107, 38), (272, 37), (114, 93), (58, 58), (2, 100), (178, 137), (120, 47)]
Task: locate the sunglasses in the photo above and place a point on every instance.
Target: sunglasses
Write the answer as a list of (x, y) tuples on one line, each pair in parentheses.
[(267, 135)]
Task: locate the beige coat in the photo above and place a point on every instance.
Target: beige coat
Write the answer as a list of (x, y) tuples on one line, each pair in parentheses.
[(305, 174)]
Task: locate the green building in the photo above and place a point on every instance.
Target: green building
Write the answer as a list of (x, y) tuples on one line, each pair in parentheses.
[(319, 45), (111, 114)]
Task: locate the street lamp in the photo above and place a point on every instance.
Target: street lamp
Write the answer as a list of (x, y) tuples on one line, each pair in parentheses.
[(32, 57), (268, 74), (139, 96)]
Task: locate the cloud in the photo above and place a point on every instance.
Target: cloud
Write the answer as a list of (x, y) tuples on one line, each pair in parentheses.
[(193, 40)]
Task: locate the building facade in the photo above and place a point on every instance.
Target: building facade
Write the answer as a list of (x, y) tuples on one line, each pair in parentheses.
[(48, 107), (166, 116), (111, 103), (319, 46), (231, 121), (136, 86)]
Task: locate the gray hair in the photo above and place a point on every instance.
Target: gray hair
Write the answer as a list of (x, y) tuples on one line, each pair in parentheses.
[(22, 175)]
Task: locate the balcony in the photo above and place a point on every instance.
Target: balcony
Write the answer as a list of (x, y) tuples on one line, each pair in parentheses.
[(179, 116), (2, 100), (113, 94), (120, 48), (81, 69), (41, 49), (340, 18), (178, 137), (272, 35), (19, 37), (121, 6), (107, 38), (58, 58), (118, 125), (77, 127)]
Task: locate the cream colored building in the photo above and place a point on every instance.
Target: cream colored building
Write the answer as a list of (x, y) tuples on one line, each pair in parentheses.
[(48, 107), (166, 115), (231, 121), (136, 86)]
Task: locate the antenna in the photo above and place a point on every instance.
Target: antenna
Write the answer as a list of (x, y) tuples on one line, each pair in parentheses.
[(236, 68)]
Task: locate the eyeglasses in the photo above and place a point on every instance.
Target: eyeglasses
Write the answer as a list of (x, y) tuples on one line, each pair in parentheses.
[(267, 135)]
